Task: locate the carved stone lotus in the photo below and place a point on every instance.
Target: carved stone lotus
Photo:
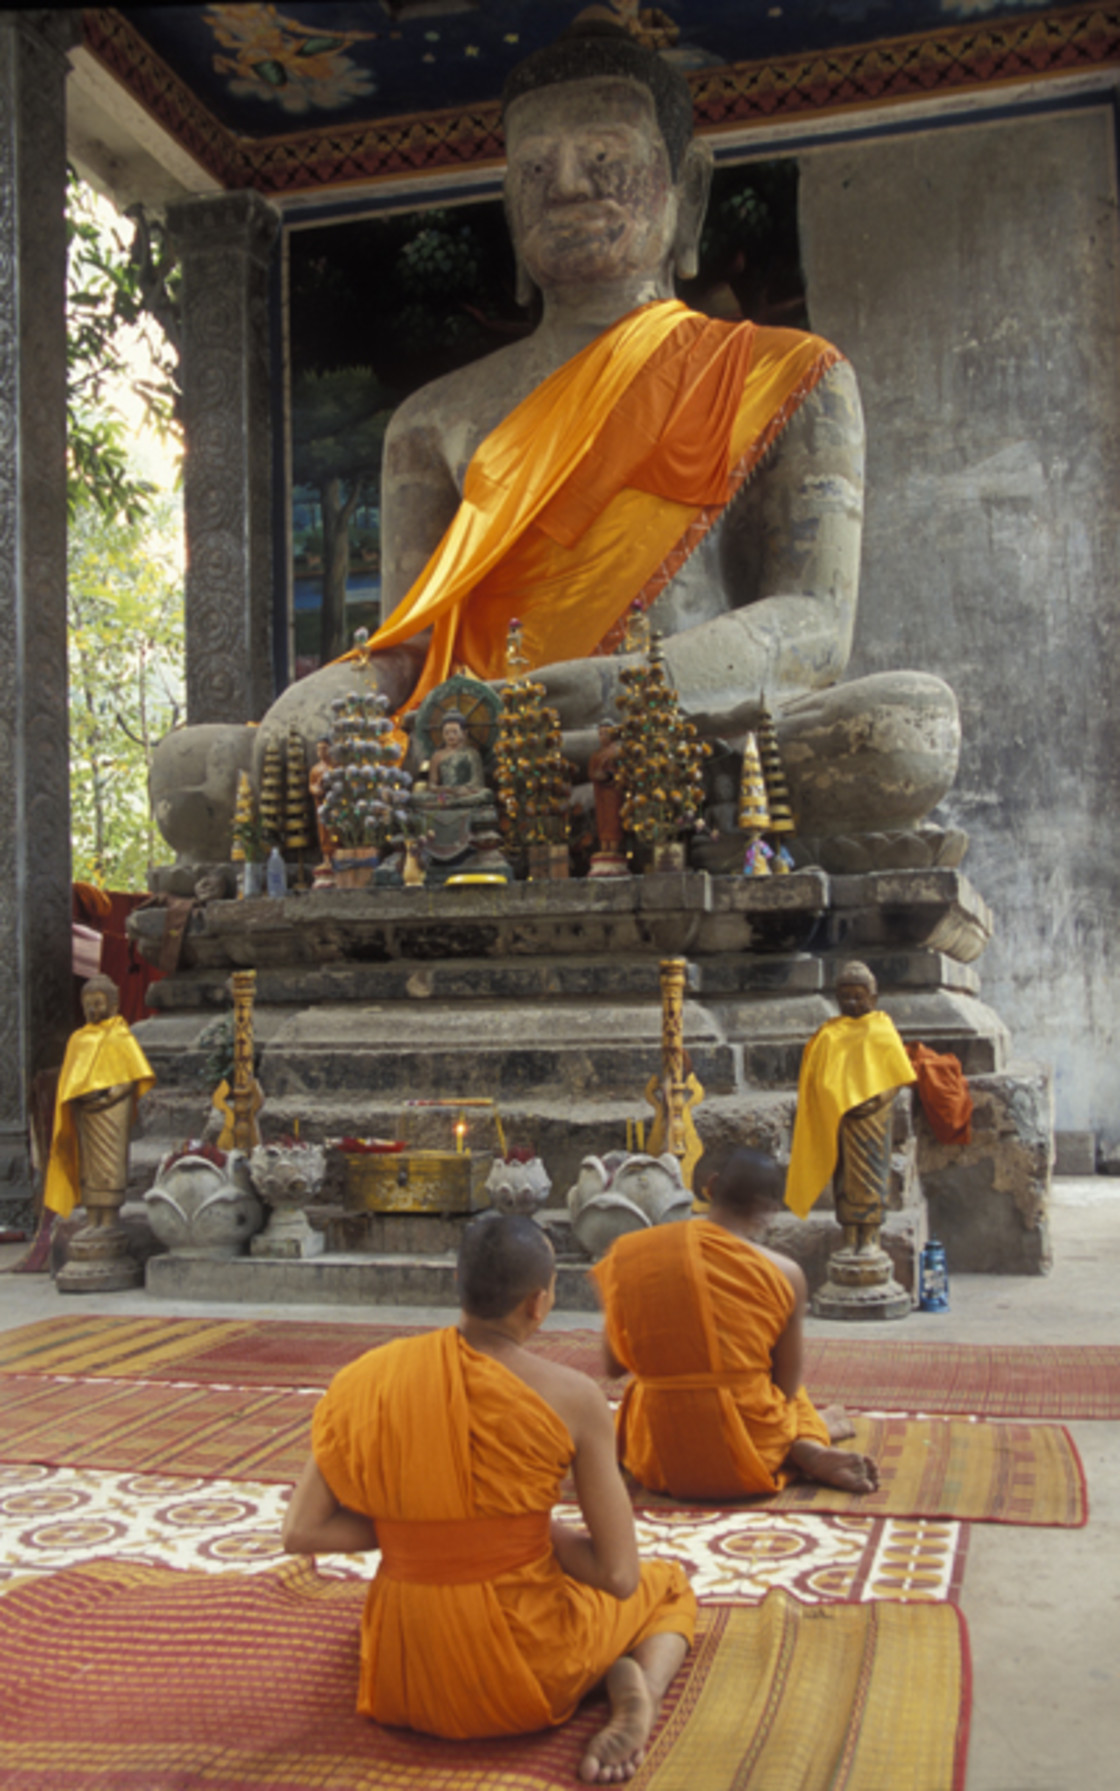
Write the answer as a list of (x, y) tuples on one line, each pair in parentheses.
[(518, 1187), (200, 1208), (624, 1191), (288, 1177)]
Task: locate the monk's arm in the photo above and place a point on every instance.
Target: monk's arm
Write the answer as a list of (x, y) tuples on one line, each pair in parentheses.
[(607, 1556), (316, 1524), (787, 1358)]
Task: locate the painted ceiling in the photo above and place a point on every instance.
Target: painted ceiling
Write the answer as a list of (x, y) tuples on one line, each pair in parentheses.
[(291, 96)]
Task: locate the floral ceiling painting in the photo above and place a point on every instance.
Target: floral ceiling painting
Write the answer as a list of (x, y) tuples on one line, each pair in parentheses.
[(260, 69)]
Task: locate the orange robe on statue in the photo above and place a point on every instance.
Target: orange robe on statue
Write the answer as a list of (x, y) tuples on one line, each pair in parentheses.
[(596, 488), (694, 1313), (471, 1627)]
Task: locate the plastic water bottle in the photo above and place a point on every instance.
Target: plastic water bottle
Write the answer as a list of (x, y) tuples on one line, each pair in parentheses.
[(933, 1278), (276, 874)]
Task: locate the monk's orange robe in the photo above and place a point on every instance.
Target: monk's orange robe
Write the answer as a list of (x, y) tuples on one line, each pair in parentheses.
[(471, 1627), (694, 1313), (595, 489), (847, 1061)]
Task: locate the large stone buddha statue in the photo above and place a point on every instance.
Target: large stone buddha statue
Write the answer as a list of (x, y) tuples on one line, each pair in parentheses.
[(631, 454)]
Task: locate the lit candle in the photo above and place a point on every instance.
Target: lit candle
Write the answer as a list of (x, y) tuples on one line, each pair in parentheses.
[(460, 1134)]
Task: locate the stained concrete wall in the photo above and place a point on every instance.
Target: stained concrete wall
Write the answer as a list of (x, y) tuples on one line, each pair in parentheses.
[(971, 274)]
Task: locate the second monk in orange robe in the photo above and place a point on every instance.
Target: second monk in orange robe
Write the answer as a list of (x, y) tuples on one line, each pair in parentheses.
[(709, 1323), (487, 1616)]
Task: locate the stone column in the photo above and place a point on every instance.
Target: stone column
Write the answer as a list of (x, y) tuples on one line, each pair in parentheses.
[(224, 244), (35, 977)]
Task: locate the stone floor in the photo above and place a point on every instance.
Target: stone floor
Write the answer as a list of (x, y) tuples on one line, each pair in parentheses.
[(1043, 1606)]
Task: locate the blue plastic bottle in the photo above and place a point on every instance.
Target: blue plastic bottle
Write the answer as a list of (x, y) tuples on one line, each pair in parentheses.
[(933, 1278), (276, 875)]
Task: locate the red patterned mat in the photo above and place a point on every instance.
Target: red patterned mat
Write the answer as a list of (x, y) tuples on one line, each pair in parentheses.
[(951, 1468), (986, 1380), (141, 1677)]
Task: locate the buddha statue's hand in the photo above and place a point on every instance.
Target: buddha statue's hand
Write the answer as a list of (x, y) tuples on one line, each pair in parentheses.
[(585, 691)]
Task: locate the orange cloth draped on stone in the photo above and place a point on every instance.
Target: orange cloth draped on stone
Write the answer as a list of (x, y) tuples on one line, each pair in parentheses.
[(433, 1436), (846, 1062), (98, 1056), (597, 486), (944, 1093), (694, 1313)]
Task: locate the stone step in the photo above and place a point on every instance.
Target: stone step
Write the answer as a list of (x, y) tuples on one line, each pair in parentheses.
[(480, 979), (936, 908), (395, 1280), (664, 914), (427, 1277)]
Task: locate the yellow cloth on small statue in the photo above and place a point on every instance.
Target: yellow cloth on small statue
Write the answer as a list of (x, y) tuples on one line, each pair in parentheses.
[(98, 1056), (579, 501), (846, 1062)]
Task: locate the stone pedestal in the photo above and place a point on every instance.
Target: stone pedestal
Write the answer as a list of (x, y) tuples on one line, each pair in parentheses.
[(289, 1233), (36, 998), (545, 998), (99, 1260), (860, 1285)]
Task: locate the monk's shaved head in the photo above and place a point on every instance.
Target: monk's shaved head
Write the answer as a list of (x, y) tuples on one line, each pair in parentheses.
[(745, 1182), (503, 1258)]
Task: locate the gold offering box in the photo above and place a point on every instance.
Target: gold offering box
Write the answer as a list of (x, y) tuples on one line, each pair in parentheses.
[(426, 1176), (417, 1181)]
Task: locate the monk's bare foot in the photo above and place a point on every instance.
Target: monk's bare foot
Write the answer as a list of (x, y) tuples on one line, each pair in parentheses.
[(618, 1750), (835, 1467), (838, 1422)]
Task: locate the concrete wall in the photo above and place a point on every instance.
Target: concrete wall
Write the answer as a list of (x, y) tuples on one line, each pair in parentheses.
[(970, 273)]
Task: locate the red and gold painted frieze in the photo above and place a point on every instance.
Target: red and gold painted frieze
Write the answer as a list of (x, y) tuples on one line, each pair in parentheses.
[(955, 61)]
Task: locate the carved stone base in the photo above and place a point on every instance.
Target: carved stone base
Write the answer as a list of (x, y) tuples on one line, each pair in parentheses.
[(860, 1285), (289, 1233), (100, 1261)]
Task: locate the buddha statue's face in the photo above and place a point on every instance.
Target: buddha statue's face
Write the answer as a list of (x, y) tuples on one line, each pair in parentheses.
[(452, 733), (98, 1003), (589, 191), (855, 999)]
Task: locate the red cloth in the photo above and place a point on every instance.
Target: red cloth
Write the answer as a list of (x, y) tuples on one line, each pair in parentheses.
[(108, 910), (944, 1093)]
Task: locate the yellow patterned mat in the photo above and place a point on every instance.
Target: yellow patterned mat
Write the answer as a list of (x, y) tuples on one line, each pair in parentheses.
[(135, 1675), (986, 1380)]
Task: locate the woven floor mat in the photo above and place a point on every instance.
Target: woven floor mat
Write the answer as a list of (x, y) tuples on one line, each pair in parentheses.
[(937, 1467), (135, 1676), (984, 1380)]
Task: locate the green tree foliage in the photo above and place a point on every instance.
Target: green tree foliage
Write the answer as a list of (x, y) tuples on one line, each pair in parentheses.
[(125, 598), (116, 295), (125, 582)]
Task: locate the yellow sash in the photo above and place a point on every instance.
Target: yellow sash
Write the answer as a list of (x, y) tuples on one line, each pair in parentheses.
[(845, 1063), (97, 1056)]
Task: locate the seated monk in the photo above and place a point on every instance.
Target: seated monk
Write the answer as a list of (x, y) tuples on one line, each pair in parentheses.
[(708, 1321), (630, 451), (488, 1616)]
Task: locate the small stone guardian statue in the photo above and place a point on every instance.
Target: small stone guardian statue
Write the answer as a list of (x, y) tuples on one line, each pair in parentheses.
[(104, 1073)]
